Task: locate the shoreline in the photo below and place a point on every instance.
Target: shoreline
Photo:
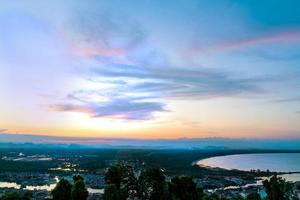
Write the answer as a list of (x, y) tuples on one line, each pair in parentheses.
[(195, 163)]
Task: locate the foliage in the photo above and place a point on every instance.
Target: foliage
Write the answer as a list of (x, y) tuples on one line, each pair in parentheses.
[(152, 184), (11, 196), (79, 192), (183, 188), (77, 178), (129, 183), (124, 180), (114, 175), (62, 190), (278, 189), (211, 197), (16, 196), (253, 196), (111, 192), (27, 195)]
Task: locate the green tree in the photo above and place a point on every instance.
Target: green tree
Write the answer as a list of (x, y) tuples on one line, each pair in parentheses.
[(128, 187), (11, 196), (79, 191), (152, 185), (237, 197), (123, 178), (114, 175), (77, 178), (27, 195), (16, 196), (278, 189), (183, 188), (253, 196), (211, 197), (62, 190), (111, 192)]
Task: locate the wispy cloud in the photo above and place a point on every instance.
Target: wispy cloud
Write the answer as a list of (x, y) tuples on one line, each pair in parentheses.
[(285, 100), (99, 35), (143, 78), (119, 108), (138, 100), (278, 37), (179, 82)]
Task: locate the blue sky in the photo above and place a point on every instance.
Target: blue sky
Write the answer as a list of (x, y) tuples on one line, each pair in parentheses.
[(150, 69)]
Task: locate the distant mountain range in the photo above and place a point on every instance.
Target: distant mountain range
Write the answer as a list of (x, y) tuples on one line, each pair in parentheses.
[(41, 141)]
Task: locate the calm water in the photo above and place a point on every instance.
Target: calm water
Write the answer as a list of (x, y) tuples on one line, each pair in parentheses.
[(279, 162)]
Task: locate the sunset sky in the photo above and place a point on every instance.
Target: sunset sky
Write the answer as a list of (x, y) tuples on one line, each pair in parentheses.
[(150, 68)]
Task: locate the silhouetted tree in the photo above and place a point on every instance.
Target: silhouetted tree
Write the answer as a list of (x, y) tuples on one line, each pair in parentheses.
[(77, 178), (152, 185), (278, 189), (114, 175), (211, 197), (16, 196), (123, 178), (79, 192), (253, 196), (11, 196), (27, 195), (183, 188), (128, 187), (237, 197), (62, 190), (111, 192)]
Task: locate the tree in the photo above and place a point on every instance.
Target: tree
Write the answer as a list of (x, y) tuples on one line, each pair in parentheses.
[(183, 188), (278, 189), (152, 185), (27, 195), (62, 190), (79, 192), (77, 178), (253, 196), (11, 196), (129, 185), (111, 192), (237, 197), (16, 196), (123, 178), (213, 196), (114, 175)]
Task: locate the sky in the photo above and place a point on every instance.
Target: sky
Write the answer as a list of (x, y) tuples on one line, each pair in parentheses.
[(150, 69)]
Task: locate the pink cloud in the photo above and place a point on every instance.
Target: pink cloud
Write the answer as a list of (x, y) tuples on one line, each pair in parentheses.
[(72, 108), (78, 141), (292, 36), (88, 50), (96, 51)]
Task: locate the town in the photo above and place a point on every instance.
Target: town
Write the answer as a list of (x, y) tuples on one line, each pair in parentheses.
[(39, 173)]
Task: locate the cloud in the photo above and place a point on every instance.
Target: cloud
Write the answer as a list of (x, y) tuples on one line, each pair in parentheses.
[(278, 37), (180, 83), (98, 34), (88, 49), (141, 76), (144, 68), (2, 130), (140, 91), (119, 108), (286, 100)]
